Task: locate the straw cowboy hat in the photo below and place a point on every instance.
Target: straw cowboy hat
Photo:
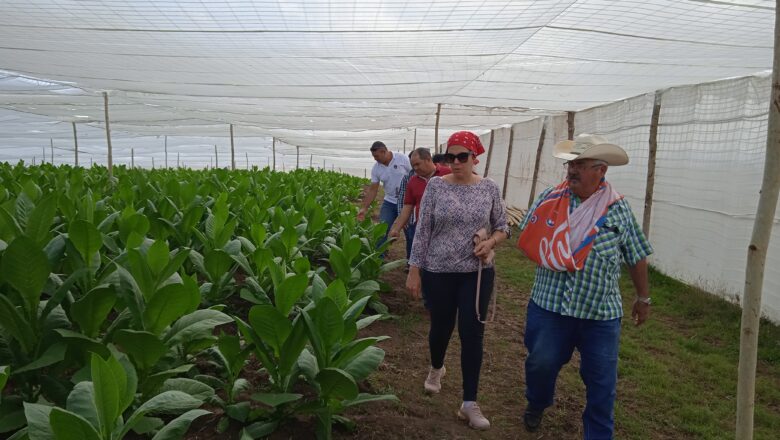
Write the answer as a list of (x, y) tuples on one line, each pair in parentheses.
[(591, 146)]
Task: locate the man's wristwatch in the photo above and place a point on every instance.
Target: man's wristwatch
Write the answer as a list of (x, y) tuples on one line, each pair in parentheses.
[(644, 299)]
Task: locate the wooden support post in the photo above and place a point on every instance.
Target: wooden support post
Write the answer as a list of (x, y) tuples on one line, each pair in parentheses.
[(414, 141), (166, 151), (132, 158), (297, 156), (216, 157), (653, 144), (178, 155), (273, 151), (490, 153), (51, 145), (152, 162), (537, 162), (436, 131), (75, 146), (108, 137), (365, 174), (232, 150), (508, 161), (311, 160), (43, 154), (570, 124), (247, 159), (404, 146), (756, 258), (33, 162)]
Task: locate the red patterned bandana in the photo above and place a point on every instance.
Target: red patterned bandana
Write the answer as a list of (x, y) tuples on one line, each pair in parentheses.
[(468, 140)]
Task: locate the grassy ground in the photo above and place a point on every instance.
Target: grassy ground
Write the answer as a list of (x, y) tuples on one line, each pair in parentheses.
[(677, 373)]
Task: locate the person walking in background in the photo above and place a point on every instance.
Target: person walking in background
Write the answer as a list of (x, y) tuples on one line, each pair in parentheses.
[(389, 169), (447, 264), (401, 195), (424, 170), (578, 233)]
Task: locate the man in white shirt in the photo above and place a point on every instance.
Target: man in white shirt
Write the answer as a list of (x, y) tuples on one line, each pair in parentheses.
[(389, 169)]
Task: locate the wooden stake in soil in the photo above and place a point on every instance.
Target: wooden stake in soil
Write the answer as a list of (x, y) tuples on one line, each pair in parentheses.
[(490, 153), (756, 258), (537, 162), (653, 143), (166, 151), (51, 145), (570, 124), (436, 131), (273, 151), (414, 141), (177, 160), (247, 159), (508, 161), (152, 162), (132, 158), (297, 157), (108, 137), (311, 161), (216, 157), (75, 145), (232, 150)]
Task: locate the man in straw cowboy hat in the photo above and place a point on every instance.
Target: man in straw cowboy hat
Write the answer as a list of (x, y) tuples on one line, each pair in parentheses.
[(578, 233)]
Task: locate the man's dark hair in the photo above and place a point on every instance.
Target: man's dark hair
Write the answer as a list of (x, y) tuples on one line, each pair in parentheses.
[(422, 153), (378, 145), (438, 158)]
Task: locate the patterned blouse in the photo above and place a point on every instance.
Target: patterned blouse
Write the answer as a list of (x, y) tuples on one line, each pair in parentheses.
[(450, 215)]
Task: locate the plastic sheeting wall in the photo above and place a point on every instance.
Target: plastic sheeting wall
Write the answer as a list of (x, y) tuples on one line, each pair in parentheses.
[(709, 165), (712, 141)]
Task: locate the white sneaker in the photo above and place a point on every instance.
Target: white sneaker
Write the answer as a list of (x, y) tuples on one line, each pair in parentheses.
[(474, 416), (433, 381)]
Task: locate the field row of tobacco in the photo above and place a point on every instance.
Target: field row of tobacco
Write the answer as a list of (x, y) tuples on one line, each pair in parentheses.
[(132, 306)]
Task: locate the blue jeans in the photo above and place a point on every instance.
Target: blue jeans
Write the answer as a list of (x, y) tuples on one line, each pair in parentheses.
[(387, 214), (551, 339)]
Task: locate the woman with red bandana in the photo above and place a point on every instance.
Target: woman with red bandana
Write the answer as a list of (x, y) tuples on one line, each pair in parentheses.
[(446, 263)]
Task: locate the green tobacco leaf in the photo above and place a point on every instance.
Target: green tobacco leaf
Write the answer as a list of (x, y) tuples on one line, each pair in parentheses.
[(365, 363), (91, 310), (141, 272), (25, 267), (157, 257), (143, 347), (133, 228), (54, 354), (292, 347), (169, 402), (110, 382), (336, 384), (276, 399), (38, 427), (352, 249), (69, 426), (271, 325), (195, 325), (217, 263), (5, 371), (329, 323), (194, 388), (170, 303), (16, 324), (366, 398), (339, 264), (40, 220), (176, 428), (83, 343), (338, 293), (289, 292), (81, 401), (85, 238)]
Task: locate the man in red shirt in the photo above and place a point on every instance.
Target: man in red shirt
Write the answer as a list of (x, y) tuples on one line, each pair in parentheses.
[(424, 169)]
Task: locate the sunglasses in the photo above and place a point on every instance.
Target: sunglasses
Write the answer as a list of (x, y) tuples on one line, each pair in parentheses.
[(461, 157)]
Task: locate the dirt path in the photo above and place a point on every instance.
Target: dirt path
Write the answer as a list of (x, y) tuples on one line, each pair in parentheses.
[(418, 416)]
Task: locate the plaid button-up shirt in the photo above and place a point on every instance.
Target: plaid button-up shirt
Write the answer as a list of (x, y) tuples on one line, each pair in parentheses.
[(593, 292), (402, 194)]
